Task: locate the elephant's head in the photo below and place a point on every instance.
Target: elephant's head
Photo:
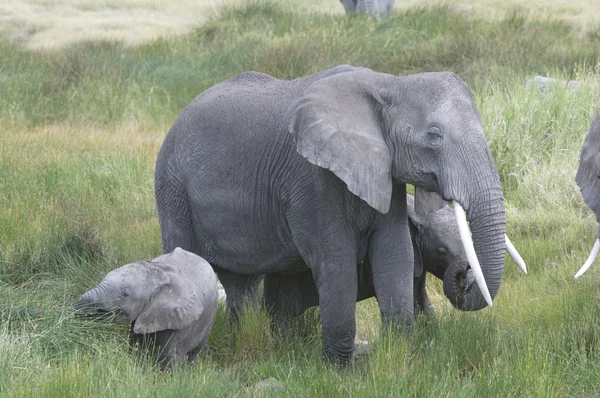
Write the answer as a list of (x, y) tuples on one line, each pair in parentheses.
[(373, 130), (152, 296), (436, 238), (587, 178)]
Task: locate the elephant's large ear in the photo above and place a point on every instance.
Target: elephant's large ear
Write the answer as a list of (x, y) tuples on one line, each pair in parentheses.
[(337, 125), (174, 307), (176, 303), (427, 202), (587, 173)]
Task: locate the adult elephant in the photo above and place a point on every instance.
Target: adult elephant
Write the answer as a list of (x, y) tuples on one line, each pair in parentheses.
[(588, 179), (259, 175), (380, 8)]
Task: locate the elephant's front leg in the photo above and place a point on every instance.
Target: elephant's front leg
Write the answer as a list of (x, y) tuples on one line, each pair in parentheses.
[(421, 300), (168, 350), (337, 285), (391, 257)]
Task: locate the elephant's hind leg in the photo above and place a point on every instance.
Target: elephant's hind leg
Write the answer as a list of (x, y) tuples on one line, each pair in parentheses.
[(203, 346), (286, 297), (241, 291)]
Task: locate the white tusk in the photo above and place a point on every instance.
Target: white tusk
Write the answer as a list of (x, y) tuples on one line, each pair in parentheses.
[(590, 259), (515, 254), (465, 237)]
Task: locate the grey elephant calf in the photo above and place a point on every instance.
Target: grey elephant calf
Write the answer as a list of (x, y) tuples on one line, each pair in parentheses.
[(170, 301), (436, 247)]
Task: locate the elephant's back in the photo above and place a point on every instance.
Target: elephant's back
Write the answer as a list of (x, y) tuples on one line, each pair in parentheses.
[(236, 116), (244, 113), (236, 133)]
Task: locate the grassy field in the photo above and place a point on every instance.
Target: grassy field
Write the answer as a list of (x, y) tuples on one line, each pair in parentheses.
[(80, 128), (52, 24)]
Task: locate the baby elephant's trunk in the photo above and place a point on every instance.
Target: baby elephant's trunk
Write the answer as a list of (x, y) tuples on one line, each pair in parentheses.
[(92, 298)]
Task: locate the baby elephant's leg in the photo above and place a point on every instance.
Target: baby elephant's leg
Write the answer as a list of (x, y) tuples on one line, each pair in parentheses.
[(168, 351), (156, 345), (421, 300), (144, 343), (191, 356), (286, 297)]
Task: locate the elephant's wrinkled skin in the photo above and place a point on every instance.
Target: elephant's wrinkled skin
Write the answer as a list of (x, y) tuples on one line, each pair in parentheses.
[(261, 176), (588, 180), (170, 302)]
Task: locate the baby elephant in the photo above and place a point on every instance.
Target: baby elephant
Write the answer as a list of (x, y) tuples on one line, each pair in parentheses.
[(170, 301), (436, 248)]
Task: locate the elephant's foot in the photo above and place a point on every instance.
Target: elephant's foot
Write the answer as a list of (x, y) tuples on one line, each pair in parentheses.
[(340, 351)]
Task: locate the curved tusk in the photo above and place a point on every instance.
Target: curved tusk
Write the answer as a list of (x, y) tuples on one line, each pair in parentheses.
[(590, 259), (515, 254), (465, 237)]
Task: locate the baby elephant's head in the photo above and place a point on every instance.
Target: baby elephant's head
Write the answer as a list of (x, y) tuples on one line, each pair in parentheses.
[(127, 291), (166, 293)]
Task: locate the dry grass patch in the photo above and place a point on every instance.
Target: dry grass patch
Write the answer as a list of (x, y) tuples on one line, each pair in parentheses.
[(58, 23), (57, 141), (53, 24)]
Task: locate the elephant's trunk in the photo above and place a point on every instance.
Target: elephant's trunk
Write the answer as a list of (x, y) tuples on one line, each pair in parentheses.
[(94, 298), (487, 224)]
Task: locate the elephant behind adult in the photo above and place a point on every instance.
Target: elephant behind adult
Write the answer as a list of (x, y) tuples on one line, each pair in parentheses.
[(588, 180), (259, 176), (436, 246)]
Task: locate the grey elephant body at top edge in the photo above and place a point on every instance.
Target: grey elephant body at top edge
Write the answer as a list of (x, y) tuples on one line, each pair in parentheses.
[(379, 8)]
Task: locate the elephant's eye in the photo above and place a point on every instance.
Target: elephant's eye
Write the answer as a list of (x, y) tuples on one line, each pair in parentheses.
[(124, 294), (434, 137), (442, 252)]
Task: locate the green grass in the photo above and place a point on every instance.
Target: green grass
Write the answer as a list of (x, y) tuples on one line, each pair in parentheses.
[(107, 83), (79, 132)]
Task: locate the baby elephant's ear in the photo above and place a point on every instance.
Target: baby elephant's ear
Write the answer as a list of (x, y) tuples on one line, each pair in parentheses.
[(173, 307)]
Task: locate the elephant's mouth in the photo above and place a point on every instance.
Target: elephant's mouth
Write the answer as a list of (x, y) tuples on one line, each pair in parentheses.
[(88, 312), (458, 281), (96, 315), (461, 277)]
